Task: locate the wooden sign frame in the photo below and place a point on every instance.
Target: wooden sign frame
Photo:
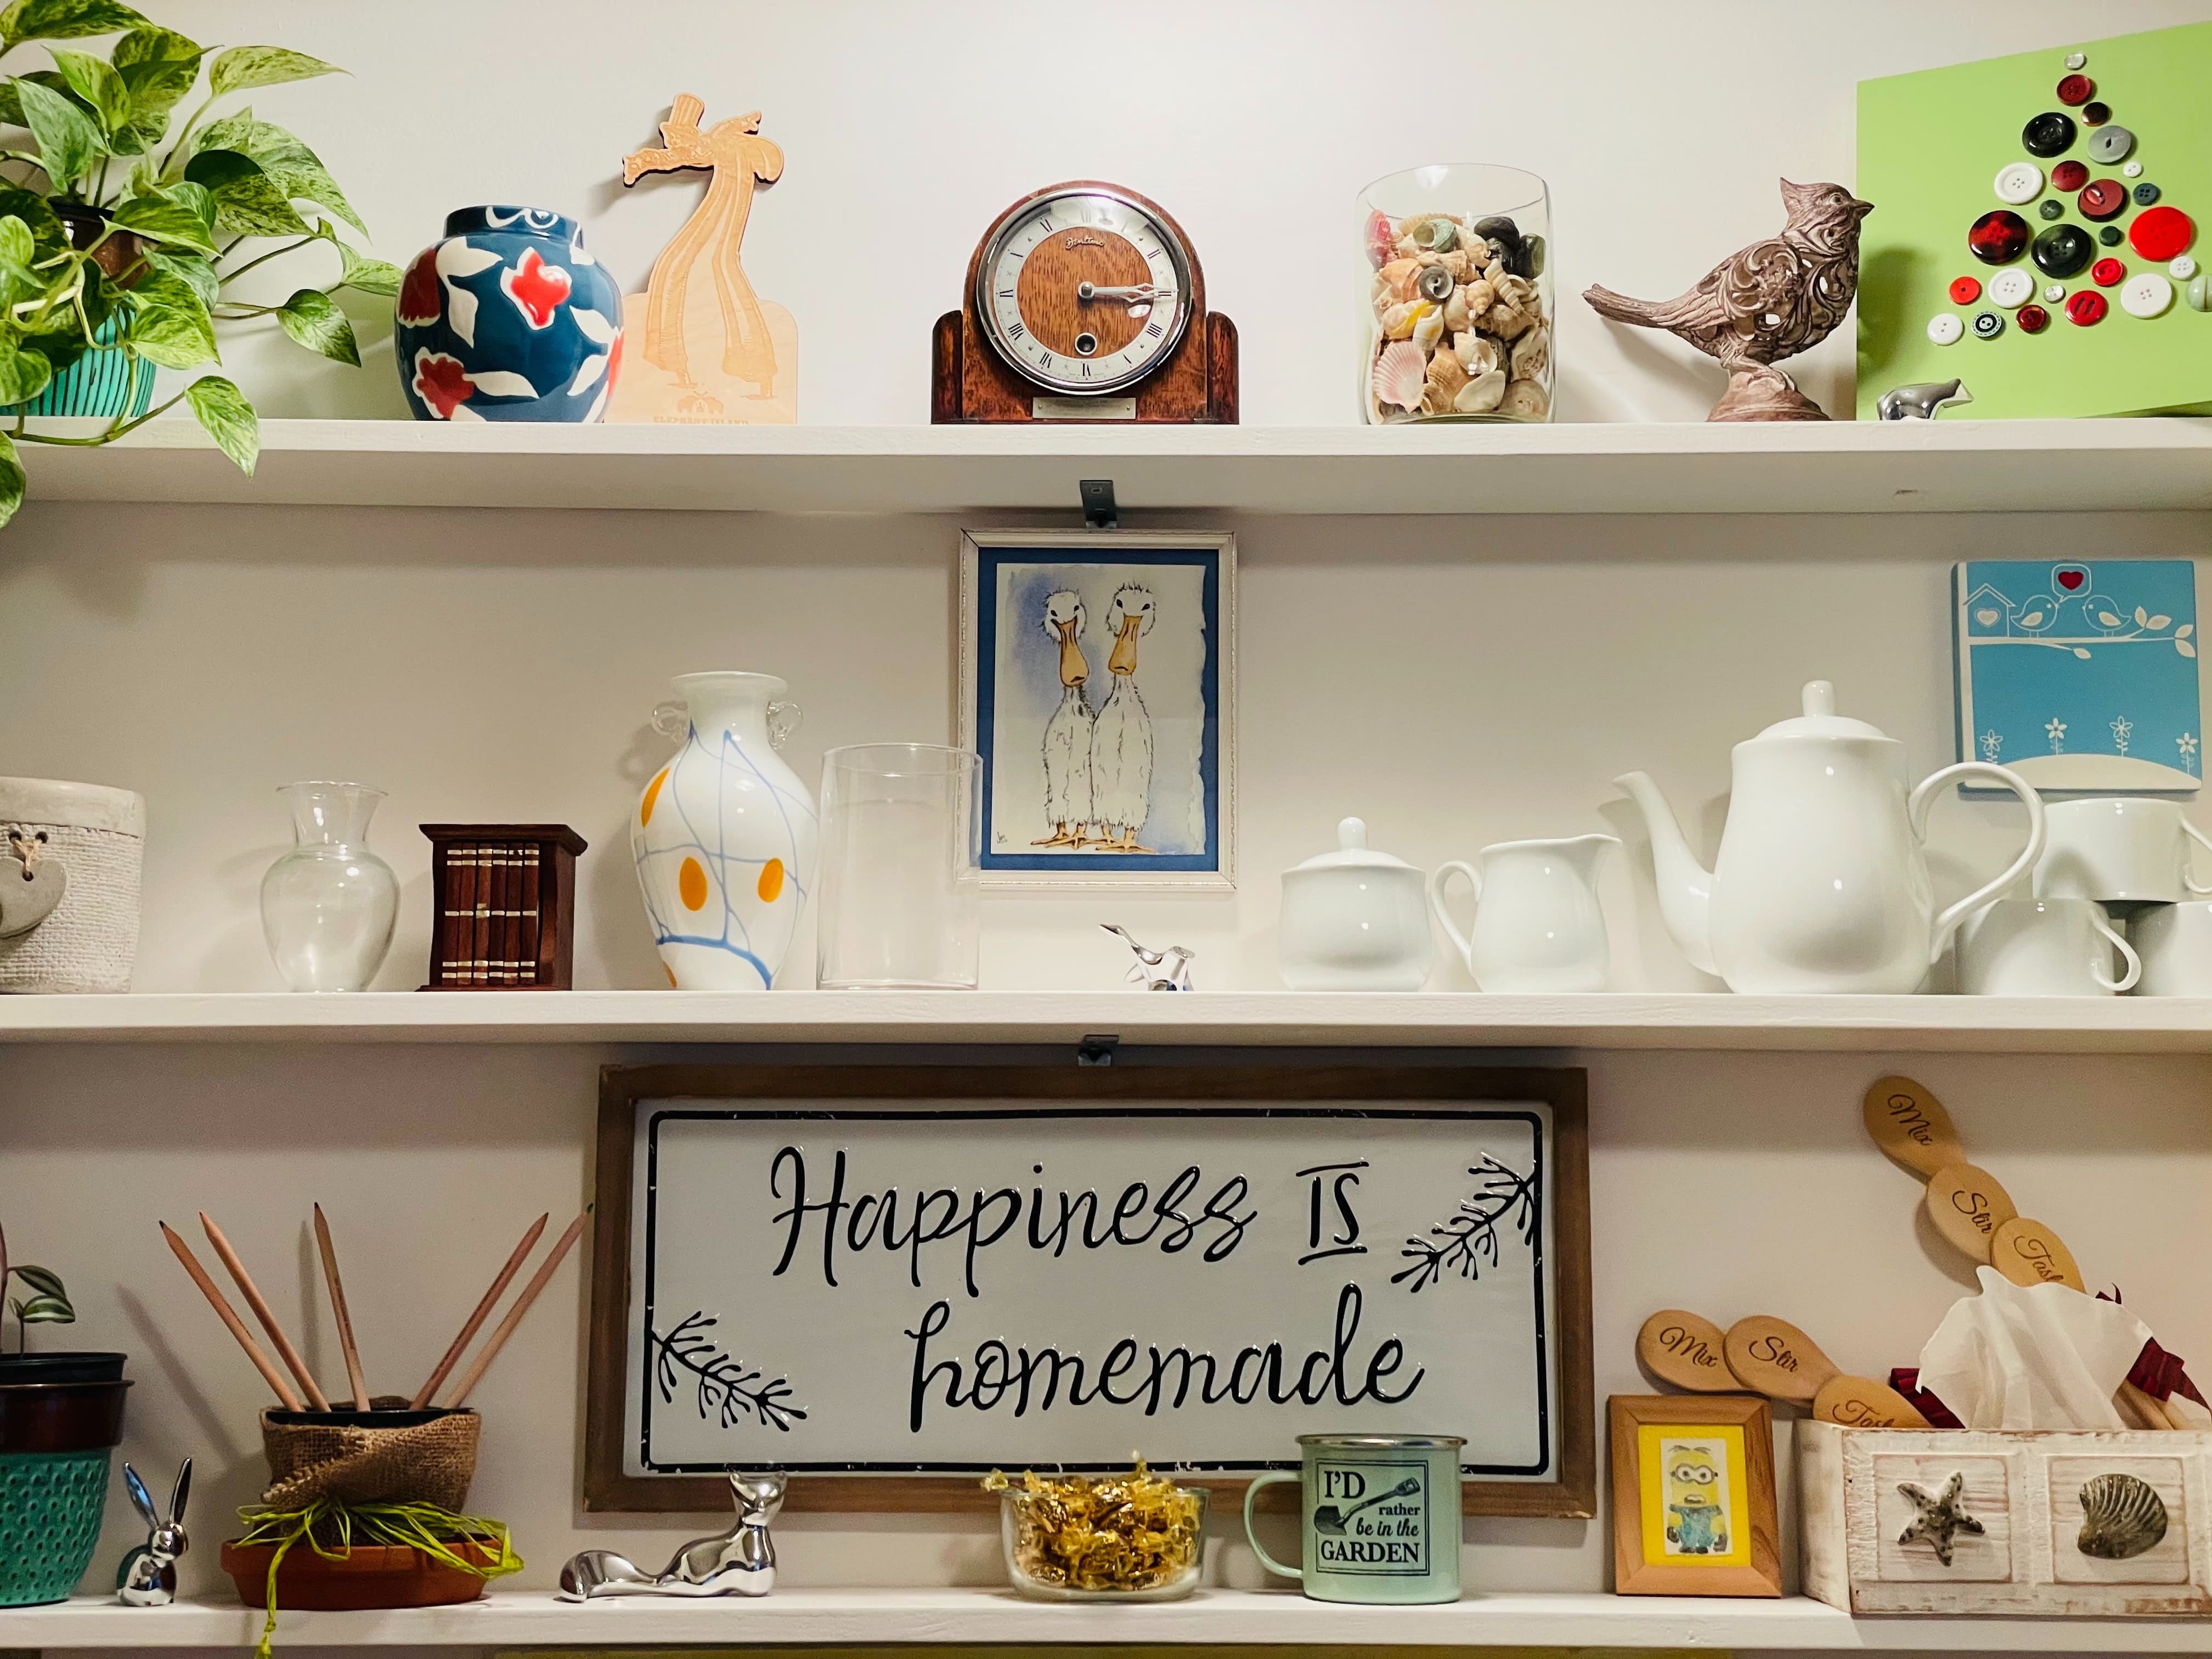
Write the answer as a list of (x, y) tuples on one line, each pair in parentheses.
[(1259, 1082)]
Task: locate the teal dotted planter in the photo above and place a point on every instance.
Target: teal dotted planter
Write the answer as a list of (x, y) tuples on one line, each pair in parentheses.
[(50, 1509), (95, 384)]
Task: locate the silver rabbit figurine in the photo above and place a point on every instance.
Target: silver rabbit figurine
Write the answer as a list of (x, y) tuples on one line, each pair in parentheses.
[(738, 1562), (148, 1576)]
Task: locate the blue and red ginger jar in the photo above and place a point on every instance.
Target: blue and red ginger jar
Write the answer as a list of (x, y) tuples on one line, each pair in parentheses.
[(508, 319)]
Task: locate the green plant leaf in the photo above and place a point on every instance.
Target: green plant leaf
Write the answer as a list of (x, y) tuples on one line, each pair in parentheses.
[(192, 269), (314, 318), (169, 322), (96, 81), (47, 236), (68, 138), (365, 275), (158, 66), (45, 1310), (245, 67), (163, 218), (64, 20), (247, 202), (44, 1281), (221, 408), (11, 479), (297, 170), (16, 245)]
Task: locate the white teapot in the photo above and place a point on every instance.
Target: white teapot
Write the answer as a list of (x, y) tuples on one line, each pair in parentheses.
[(1354, 920), (1822, 883)]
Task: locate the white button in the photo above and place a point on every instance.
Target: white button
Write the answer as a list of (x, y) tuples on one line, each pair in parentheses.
[(1944, 328), (2182, 269), (2054, 292), (2020, 182), (2077, 60), (2011, 287), (2146, 294), (2133, 169)]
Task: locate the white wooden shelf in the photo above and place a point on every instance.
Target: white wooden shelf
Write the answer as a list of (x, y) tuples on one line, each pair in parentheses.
[(518, 1618), (1944, 465), (1607, 1020)]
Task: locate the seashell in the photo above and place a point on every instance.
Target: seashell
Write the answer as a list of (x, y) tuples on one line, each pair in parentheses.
[(1407, 248), (1508, 321), (1380, 234), (1401, 275), (1428, 329), (2122, 1517), (1525, 400), (1435, 283), (1398, 321), (1481, 295), (1457, 317), (1456, 263), (1435, 233), (1516, 291), (1400, 376), (1481, 394), (1446, 377), (1532, 354), (1477, 354), (1381, 295)]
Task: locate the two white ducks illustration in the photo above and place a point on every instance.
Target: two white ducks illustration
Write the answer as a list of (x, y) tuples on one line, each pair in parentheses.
[(1067, 734), (1121, 736)]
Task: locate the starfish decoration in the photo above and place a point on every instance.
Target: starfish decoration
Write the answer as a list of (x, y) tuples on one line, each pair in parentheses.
[(1939, 1517)]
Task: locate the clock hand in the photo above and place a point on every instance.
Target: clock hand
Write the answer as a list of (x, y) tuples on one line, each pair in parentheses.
[(1140, 294)]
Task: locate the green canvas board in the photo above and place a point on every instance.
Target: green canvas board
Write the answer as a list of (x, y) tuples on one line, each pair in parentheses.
[(1930, 147)]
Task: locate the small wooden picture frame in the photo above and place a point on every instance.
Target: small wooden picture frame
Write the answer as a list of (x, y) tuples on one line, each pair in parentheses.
[(1693, 1495)]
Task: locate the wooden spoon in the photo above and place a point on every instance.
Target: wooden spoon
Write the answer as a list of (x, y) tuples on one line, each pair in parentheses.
[(1859, 1402), (1968, 1205), (1686, 1350), (1910, 1125), (1777, 1359), (2028, 1253)]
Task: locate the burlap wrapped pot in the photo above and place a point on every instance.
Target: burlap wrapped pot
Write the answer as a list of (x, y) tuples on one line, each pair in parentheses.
[(315, 1455)]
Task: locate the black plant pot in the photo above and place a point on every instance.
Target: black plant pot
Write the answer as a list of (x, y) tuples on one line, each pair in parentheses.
[(61, 1368)]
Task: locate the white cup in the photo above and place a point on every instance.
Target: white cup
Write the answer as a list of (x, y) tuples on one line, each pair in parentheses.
[(1538, 926), (2175, 944), (2118, 848), (2036, 947)]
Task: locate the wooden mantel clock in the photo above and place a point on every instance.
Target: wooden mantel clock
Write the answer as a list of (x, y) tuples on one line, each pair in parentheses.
[(1085, 302)]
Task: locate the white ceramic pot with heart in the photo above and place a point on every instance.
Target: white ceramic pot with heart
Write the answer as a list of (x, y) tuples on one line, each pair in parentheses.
[(69, 860)]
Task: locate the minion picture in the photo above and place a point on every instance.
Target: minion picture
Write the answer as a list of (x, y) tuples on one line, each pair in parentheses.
[(1694, 1489)]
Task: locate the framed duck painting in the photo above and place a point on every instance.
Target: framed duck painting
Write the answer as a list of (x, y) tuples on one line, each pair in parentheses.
[(1097, 682)]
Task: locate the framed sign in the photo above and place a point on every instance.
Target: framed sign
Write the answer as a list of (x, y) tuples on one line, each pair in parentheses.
[(1097, 681), (890, 1279)]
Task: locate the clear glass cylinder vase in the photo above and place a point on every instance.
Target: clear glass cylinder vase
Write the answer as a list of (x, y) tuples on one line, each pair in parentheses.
[(1456, 295), (901, 858), (328, 906)]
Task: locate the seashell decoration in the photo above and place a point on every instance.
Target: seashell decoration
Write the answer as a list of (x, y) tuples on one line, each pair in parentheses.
[(1401, 373), (2122, 1517)]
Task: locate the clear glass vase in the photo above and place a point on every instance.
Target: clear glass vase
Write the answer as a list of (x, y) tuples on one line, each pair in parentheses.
[(328, 906), (902, 852), (1456, 295)]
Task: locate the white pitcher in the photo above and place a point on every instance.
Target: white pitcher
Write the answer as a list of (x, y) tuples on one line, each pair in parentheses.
[(1537, 923), (725, 835)]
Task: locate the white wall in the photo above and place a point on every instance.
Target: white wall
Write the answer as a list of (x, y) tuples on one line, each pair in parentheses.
[(1455, 682)]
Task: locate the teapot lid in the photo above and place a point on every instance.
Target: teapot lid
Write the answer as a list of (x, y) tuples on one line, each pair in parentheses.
[(1352, 852), (1820, 718)]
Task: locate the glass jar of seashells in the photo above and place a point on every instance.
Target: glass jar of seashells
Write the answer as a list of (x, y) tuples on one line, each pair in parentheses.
[(1456, 289)]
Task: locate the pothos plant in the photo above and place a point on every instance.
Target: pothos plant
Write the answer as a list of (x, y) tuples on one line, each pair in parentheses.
[(122, 227), (44, 1303)]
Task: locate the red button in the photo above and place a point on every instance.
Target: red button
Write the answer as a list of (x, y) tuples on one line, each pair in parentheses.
[(2106, 273), (2030, 320), (1964, 291), (2085, 308), (2161, 232), (2076, 90), (2070, 175), (2102, 199)]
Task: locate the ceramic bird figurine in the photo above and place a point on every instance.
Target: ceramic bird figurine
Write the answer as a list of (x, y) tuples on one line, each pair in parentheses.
[(1781, 296)]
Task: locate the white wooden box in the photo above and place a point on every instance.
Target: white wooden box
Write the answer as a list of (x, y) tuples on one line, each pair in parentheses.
[(2032, 1494)]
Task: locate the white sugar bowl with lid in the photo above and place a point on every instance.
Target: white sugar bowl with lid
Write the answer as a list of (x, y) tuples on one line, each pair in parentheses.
[(1354, 920)]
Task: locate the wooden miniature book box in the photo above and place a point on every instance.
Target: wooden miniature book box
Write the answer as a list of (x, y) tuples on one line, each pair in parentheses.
[(506, 906)]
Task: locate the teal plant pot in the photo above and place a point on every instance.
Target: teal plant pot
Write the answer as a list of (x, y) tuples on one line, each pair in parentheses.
[(95, 384), (55, 1441)]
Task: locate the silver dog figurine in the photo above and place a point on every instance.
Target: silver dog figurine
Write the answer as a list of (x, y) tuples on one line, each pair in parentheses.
[(148, 1576), (738, 1562)]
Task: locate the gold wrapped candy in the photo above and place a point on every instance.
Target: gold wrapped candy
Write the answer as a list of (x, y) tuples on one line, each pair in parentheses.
[(1126, 1533)]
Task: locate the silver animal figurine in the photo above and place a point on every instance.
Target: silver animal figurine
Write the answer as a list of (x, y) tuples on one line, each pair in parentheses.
[(148, 1576), (738, 1562), (1773, 299), (1156, 970), (1920, 400)]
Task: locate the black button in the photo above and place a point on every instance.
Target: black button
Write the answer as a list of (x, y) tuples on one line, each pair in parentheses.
[(2051, 133), (1997, 237), (2052, 208), (2109, 236), (2061, 250), (2096, 114), (2146, 193)]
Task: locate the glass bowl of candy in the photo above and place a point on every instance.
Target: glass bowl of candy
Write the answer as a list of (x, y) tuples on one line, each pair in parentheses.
[(1455, 291), (1134, 1537)]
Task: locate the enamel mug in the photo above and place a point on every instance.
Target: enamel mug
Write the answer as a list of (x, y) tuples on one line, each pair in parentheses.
[(1378, 1515), (2029, 947), (2118, 849), (2175, 943)]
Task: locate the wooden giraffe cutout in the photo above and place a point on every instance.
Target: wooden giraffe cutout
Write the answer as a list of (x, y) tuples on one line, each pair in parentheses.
[(704, 348)]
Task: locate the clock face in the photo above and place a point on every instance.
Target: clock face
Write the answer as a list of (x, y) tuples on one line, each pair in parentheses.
[(1083, 291)]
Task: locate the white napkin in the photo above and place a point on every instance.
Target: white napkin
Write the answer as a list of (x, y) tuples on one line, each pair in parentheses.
[(2031, 1357)]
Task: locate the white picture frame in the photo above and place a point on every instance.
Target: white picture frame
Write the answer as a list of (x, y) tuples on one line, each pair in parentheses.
[(1066, 764)]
